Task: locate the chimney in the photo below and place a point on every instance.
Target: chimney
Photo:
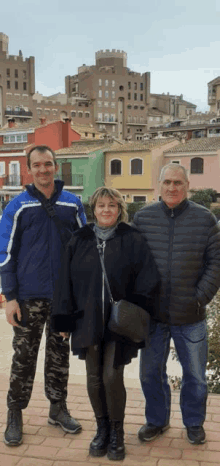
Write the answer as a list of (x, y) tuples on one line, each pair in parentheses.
[(66, 132), (11, 122), (42, 120)]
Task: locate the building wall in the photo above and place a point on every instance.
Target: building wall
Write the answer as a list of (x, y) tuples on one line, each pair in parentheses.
[(126, 183), (56, 135), (25, 177), (211, 174), (92, 169)]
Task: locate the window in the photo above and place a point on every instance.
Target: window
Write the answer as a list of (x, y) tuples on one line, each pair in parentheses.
[(129, 85), (8, 85), (73, 113), (99, 103), (93, 135), (112, 117), (115, 167), (113, 129), (100, 93), (99, 116), (106, 117), (139, 198), (136, 167), (136, 107), (24, 86), (100, 82), (39, 111), (16, 84), (86, 134), (135, 96), (113, 94), (141, 97), (11, 138), (142, 108), (87, 114), (47, 111), (121, 88), (106, 83), (16, 73), (54, 110), (106, 94), (2, 168), (106, 104), (112, 104), (197, 165), (135, 86), (113, 83), (141, 86), (129, 96), (80, 114), (175, 161), (8, 72), (24, 74), (129, 107)]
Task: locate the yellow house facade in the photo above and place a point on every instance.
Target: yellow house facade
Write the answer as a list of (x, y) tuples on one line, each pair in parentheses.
[(134, 169)]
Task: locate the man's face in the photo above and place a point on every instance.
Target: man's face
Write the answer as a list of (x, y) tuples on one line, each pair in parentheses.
[(173, 187), (42, 168)]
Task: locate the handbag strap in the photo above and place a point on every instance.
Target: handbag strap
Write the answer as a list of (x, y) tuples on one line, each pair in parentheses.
[(100, 249)]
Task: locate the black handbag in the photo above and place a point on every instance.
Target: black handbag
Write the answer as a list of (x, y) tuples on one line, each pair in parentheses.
[(126, 319)]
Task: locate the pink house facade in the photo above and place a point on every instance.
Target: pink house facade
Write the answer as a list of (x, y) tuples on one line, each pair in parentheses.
[(201, 158)]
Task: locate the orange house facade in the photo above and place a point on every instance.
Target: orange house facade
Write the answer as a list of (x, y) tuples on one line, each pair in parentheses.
[(16, 141)]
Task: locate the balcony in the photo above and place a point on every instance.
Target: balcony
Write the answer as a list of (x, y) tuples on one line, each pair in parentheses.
[(73, 180), (12, 181), (19, 113)]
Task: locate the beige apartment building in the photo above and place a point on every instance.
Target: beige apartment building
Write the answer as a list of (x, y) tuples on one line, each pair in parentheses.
[(17, 84), (214, 95), (116, 98)]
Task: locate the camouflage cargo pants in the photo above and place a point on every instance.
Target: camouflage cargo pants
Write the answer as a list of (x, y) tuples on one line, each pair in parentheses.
[(26, 342)]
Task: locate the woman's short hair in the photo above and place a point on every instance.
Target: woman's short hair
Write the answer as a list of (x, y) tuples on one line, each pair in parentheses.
[(114, 194)]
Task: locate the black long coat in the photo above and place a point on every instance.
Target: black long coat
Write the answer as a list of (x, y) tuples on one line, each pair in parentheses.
[(79, 304)]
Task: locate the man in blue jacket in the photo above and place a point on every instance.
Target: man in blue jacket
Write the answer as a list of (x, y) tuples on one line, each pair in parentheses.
[(185, 240), (35, 227)]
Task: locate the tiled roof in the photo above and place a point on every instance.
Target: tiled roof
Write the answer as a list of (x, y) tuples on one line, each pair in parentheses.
[(81, 149), (21, 127), (84, 128), (138, 146), (197, 145), (13, 147)]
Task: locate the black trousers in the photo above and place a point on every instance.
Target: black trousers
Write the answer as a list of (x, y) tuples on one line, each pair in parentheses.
[(105, 384), (26, 342)]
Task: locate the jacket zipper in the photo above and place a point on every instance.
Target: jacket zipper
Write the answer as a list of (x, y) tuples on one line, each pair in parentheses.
[(102, 246)]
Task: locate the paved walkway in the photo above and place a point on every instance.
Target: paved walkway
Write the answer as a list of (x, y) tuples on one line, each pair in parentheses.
[(46, 445)]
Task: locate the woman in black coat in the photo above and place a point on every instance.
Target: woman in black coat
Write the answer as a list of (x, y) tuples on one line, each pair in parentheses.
[(82, 307)]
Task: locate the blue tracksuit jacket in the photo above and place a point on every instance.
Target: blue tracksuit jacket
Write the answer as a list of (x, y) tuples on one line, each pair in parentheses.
[(30, 244)]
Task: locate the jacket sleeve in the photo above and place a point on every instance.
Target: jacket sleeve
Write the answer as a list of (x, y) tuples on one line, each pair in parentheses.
[(81, 217), (147, 277), (9, 249), (64, 307), (209, 282)]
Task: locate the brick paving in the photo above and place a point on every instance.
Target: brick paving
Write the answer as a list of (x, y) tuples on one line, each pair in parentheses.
[(45, 445)]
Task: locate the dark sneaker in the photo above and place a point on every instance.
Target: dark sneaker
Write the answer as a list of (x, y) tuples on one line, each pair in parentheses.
[(59, 414), (13, 432), (196, 434), (149, 432)]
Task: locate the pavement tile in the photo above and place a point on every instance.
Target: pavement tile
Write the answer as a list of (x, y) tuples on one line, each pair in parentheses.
[(8, 460), (69, 453), (34, 462), (165, 452), (41, 452), (205, 456), (165, 462)]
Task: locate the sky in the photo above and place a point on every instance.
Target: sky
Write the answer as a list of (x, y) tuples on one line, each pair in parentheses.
[(178, 41)]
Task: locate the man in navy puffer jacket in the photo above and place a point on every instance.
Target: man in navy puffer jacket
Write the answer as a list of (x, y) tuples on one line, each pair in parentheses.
[(185, 240), (31, 247)]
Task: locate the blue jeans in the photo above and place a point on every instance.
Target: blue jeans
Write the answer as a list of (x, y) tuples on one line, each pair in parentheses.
[(191, 346)]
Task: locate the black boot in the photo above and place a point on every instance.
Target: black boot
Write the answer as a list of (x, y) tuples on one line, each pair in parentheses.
[(13, 433), (59, 414), (98, 446), (116, 448)]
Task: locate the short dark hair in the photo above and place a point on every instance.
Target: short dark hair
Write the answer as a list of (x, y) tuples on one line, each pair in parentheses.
[(41, 149)]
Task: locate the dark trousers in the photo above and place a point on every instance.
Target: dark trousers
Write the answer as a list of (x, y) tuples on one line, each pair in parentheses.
[(105, 384), (26, 342)]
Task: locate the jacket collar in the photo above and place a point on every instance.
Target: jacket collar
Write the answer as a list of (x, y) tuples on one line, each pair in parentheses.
[(34, 192), (176, 211), (87, 230)]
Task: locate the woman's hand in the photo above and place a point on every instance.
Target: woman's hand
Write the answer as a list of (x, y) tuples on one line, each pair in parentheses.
[(65, 335)]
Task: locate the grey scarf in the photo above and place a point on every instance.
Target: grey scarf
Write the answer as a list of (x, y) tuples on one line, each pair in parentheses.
[(104, 233)]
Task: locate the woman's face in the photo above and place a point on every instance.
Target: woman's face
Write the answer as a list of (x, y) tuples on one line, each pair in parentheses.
[(106, 211)]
